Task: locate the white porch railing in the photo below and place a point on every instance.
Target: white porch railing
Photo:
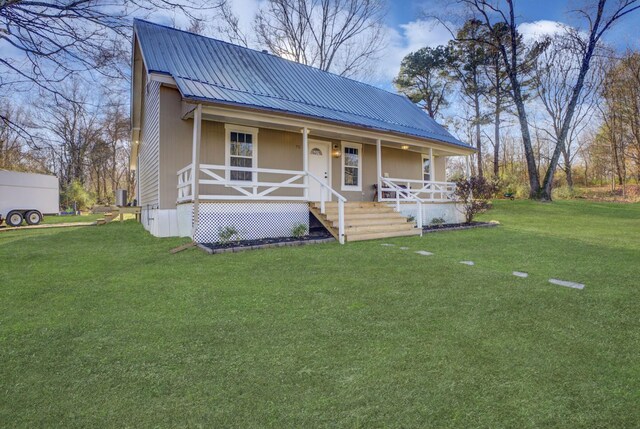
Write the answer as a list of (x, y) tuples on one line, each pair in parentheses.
[(409, 190), (341, 201), (254, 189), (404, 195)]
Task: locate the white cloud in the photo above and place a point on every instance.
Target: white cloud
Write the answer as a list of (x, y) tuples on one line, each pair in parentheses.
[(411, 37), (532, 31)]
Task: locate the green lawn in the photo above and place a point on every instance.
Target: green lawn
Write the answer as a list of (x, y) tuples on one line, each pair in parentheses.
[(102, 327)]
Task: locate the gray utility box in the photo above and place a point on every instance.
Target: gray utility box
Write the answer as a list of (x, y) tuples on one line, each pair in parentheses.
[(121, 197)]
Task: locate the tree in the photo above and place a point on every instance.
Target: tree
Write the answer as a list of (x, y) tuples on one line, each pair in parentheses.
[(497, 94), (599, 16), (340, 36), (53, 41), (554, 71), (424, 78), (469, 57)]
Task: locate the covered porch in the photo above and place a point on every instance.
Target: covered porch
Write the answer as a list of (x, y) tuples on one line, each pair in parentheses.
[(264, 158)]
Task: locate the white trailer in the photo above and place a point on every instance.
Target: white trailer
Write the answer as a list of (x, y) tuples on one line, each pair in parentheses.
[(27, 196)]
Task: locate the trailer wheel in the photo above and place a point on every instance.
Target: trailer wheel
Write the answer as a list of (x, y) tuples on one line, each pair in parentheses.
[(14, 218), (33, 217)]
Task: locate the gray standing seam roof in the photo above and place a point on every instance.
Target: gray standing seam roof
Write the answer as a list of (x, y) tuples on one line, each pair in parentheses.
[(212, 70)]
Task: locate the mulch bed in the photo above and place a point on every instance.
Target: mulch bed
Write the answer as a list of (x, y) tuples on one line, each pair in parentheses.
[(240, 246), (457, 226)]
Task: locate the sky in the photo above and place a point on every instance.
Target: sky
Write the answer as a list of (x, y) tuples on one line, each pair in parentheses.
[(409, 28)]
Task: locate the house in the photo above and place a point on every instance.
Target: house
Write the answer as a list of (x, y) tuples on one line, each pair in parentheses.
[(228, 137)]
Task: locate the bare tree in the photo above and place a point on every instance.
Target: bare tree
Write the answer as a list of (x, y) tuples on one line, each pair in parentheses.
[(48, 42), (341, 36), (599, 17), (554, 71)]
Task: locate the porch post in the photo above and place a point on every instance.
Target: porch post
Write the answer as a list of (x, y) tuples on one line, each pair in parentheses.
[(432, 167), (195, 167), (468, 167), (379, 168), (305, 161)]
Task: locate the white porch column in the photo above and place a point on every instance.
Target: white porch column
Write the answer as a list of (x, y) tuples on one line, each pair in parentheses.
[(468, 167), (305, 161), (195, 166), (432, 166), (379, 168)]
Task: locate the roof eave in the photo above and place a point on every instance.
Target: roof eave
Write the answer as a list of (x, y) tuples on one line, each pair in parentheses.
[(208, 101)]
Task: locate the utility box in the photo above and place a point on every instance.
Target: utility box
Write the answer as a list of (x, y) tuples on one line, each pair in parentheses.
[(121, 197)]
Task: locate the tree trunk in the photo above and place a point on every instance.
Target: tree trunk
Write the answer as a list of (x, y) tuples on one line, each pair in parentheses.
[(476, 102), (567, 169), (496, 138)]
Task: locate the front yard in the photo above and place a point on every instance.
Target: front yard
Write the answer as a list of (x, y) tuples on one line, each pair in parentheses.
[(101, 326)]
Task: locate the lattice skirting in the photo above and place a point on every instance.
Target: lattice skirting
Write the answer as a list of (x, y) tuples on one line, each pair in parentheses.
[(251, 220)]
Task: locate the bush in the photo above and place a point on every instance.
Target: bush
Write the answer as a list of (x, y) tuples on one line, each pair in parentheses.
[(438, 221), (227, 234), (565, 193), (299, 230), (475, 195), (75, 193)]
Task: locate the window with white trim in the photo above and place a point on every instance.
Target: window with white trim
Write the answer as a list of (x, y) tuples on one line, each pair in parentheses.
[(426, 168), (351, 166), (241, 149)]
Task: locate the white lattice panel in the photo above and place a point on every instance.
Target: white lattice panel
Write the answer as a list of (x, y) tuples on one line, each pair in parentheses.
[(253, 220)]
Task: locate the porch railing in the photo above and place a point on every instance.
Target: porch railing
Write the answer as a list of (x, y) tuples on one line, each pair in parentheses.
[(408, 190), (404, 195), (341, 201), (255, 189)]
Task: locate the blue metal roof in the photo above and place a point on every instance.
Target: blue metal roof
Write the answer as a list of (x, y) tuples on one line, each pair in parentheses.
[(212, 70)]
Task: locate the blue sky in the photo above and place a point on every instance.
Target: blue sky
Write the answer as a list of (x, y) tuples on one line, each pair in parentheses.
[(409, 27)]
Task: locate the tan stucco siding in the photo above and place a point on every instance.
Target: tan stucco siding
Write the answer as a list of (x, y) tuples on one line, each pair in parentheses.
[(149, 162)]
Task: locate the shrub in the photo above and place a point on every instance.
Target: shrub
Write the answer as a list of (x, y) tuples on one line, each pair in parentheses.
[(565, 193), (227, 233), (475, 194), (299, 230), (75, 195), (438, 221)]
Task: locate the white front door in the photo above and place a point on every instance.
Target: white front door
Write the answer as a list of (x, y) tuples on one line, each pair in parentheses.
[(319, 166)]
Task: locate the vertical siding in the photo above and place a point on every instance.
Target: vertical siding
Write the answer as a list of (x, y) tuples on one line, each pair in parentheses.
[(176, 144), (276, 149), (150, 145)]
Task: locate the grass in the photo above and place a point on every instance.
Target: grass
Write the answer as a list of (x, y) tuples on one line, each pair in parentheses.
[(102, 327), (72, 218)]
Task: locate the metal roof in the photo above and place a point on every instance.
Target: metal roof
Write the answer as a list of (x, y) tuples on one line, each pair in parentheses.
[(212, 70)]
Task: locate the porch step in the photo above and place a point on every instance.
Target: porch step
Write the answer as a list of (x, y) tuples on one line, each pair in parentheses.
[(357, 210), (379, 235), (364, 220), (359, 229)]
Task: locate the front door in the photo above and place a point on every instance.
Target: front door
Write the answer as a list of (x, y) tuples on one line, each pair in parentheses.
[(319, 166)]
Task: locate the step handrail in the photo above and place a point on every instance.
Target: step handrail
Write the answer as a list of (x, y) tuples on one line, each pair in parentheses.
[(341, 201)]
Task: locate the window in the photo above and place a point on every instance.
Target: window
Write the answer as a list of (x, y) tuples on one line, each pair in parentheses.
[(426, 169), (351, 167), (241, 151)]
